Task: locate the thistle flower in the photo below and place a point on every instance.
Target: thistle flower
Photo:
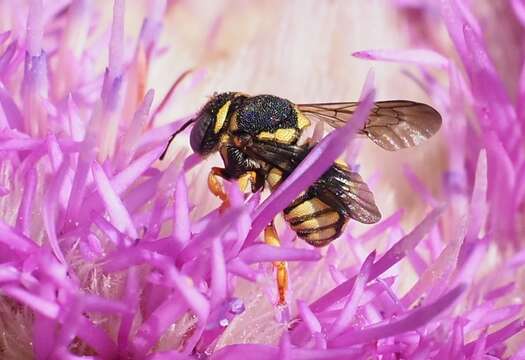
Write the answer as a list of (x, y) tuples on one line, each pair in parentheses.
[(108, 253)]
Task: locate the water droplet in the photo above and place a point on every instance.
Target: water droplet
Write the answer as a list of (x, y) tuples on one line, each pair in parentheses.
[(224, 322), (283, 313), (237, 306)]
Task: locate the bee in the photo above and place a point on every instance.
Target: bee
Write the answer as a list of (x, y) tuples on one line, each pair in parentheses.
[(258, 138)]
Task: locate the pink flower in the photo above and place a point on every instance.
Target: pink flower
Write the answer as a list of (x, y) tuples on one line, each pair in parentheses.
[(107, 252)]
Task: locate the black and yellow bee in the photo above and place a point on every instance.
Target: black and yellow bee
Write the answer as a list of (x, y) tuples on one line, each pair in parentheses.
[(258, 138)]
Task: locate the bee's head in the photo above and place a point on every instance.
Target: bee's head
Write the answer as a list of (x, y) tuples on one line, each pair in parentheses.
[(209, 124)]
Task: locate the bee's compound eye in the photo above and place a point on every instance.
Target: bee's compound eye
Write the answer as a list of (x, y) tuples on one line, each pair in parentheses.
[(200, 140)]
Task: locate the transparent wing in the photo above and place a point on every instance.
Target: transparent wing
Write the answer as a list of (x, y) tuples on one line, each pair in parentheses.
[(393, 125), (282, 156), (344, 189), (338, 187)]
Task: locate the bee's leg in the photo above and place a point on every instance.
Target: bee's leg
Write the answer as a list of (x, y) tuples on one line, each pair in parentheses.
[(253, 177), (216, 187), (248, 178), (271, 238)]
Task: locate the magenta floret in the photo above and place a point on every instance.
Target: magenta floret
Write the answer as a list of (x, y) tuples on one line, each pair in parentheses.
[(106, 252)]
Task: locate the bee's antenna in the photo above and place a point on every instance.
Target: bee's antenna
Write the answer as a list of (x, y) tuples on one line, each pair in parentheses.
[(181, 129)]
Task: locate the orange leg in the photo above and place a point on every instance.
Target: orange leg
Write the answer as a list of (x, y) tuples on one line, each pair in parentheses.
[(216, 187), (250, 177), (271, 238), (270, 235)]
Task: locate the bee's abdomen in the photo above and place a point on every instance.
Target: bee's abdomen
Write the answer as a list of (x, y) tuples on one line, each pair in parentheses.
[(320, 213), (315, 221)]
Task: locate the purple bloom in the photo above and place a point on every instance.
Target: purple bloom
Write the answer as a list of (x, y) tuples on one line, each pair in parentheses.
[(106, 252)]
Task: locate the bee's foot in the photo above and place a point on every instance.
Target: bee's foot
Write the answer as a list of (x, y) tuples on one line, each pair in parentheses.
[(217, 189), (271, 238), (250, 177)]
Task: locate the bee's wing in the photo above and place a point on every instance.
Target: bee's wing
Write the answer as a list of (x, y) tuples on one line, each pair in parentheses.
[(342, 188), (282, 156), (393, 125), (339, 187)]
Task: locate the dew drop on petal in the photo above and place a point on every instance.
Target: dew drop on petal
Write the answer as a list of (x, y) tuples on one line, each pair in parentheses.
[(282, 314), (237, 306)]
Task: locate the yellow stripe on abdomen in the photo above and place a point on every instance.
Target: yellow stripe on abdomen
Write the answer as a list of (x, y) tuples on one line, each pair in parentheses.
[(320, 237), (306, 207), (318, 221), (315, 221)]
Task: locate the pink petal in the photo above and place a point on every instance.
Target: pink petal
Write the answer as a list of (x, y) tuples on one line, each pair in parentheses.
[(117, 211), (125, 258), (168, 355), (78, 189), (15, 240), (127, 177), (308, 317), (418, 186), (43, 343), (50, 211), (181, 213), (267, 253), (412, 320), (4, 36), (478, 202), (97, 304), (151, 137), (215, 228), (411, 56), (239, 351), (395, 254), (97, 338), (141, 194), (191, 161), (497, 337), (519, 10), (8, 273), (133, 133), (54, 152), (12, 112), (116, 48), (391, 221), (23, 222), (327, 354), (347, 314), (109, 230), (479, 349), (218, 275), (37, 303), (191, 296), (240, 268), (159, 321), (436, 275), (35, 28), (500, 291), (20, 144), (69, 328), (285, 348), (156, 217), (494, 316)]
